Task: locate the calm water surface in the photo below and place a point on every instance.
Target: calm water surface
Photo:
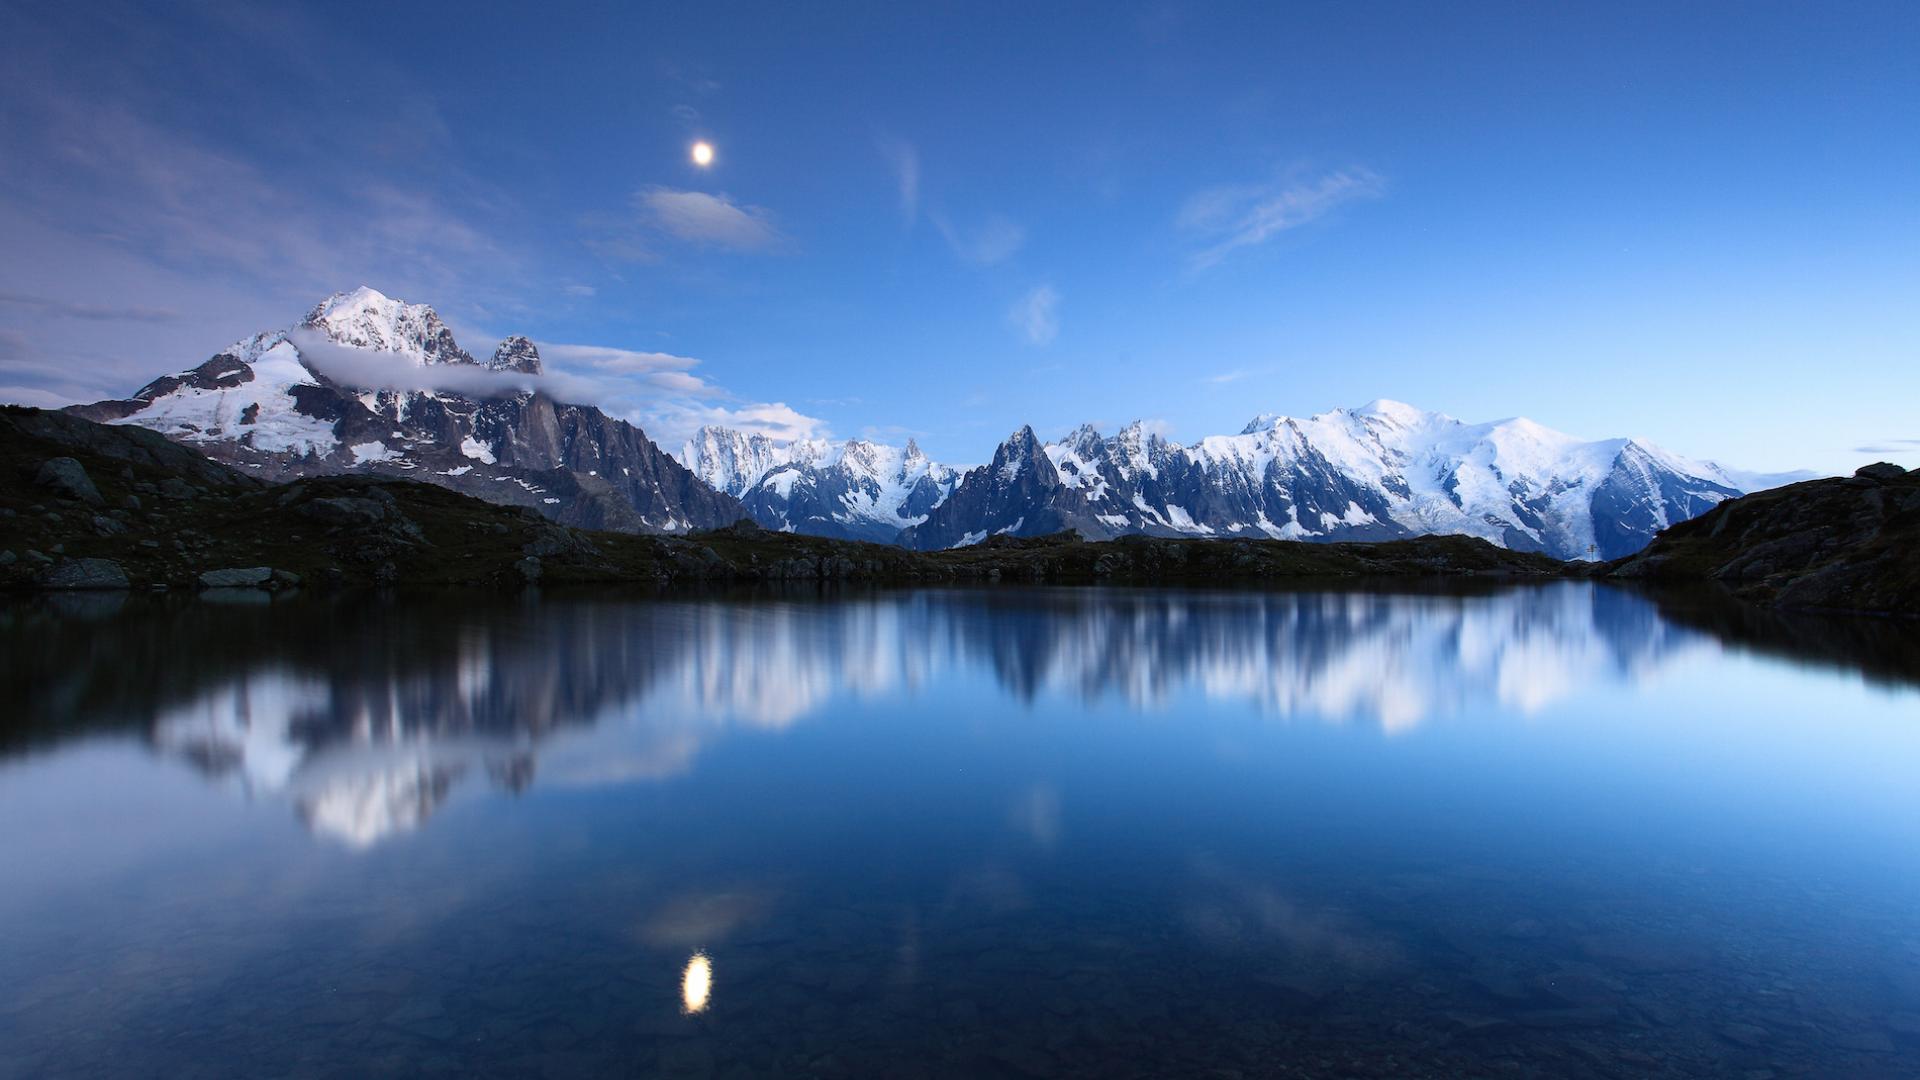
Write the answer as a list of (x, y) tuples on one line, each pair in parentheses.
[(1549, 831)]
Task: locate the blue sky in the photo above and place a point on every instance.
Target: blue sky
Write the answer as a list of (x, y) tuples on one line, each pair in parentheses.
[(1695, 223)]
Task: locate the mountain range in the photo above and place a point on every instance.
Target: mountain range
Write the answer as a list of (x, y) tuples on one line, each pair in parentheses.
[(1378, 472), (290, 403)]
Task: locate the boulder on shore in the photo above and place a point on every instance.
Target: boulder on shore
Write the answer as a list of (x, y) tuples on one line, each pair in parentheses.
[(87, 574), (242, 577), (67, 477)]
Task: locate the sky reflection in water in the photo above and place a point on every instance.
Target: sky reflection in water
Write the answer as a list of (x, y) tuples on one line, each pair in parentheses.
[(1005, 831)]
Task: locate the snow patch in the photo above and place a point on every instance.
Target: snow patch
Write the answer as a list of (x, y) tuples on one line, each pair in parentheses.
[(367, 453), (193, 415)]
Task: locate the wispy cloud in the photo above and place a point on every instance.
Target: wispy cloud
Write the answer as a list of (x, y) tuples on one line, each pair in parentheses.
[(35, 396), (704, 219), (1226, 377), (892, 433), (904, 161), (102, 312), (658, 370), (583, 291), (994, 240), (145, 231), (661, 393), (1890, 446), (774, 419), (1037, 315), (1244, 215)]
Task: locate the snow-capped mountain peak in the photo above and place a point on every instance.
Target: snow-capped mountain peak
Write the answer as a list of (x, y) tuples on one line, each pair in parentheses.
[(1083, 440), (1381, 470), (516, 354), (265, 404), (369, 319), (857, 489), (1401, 414)]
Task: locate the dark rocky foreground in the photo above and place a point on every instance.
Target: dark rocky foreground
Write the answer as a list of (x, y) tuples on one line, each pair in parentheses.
[(92, 506), (1843, 544)]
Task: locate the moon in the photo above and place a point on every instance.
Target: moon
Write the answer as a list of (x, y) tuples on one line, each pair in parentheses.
[(696, 984), (703, 153)]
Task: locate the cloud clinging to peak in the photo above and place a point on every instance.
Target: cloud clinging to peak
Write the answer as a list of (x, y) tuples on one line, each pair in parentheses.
[(657, 391)]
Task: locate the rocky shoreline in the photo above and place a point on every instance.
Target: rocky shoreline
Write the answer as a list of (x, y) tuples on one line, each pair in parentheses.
[(92, 506)]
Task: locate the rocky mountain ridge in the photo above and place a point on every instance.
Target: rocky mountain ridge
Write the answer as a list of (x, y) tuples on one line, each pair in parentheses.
[(853, 490), (1381, 471)]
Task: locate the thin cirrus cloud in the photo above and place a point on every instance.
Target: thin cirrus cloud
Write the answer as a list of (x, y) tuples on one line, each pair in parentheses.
[(664, 216), (994, 240), (98, 312), (904, 161), (708, 220), (1230, 217), (1037, 315)]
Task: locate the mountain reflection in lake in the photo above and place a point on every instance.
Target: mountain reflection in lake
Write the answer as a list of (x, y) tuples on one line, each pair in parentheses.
[(1551, 830)]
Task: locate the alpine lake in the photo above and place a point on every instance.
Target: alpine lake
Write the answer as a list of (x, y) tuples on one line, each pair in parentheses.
[(1553, 830)]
